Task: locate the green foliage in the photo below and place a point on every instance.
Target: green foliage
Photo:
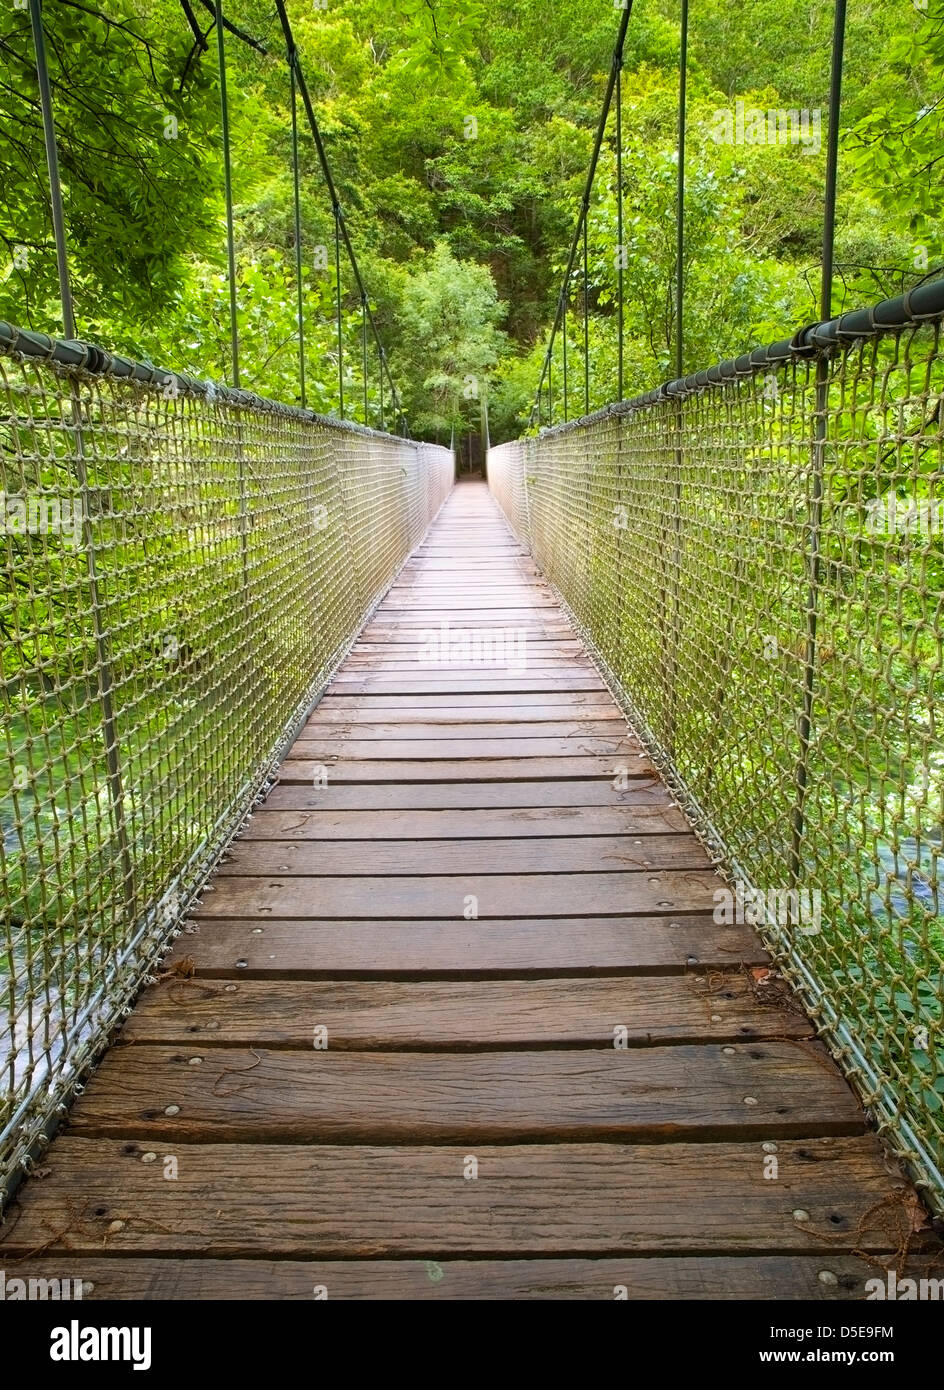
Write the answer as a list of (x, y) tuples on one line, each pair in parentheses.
[(897, 144), (138, 205), (454, 125), (448, 315)]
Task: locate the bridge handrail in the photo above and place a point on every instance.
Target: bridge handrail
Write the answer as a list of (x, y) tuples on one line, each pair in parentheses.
[(755, 555), (183, 567)]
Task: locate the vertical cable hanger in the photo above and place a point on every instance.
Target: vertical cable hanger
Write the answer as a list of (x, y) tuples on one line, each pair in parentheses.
[(820, 431), (564, 341), (52, 167), (341, 235), (228, 184), (337, 300), (381, 375), (680, 199), (100, 630), (364, 352), (298, 237), (586, 311), (832, 160), (580, 228), (620, 249)]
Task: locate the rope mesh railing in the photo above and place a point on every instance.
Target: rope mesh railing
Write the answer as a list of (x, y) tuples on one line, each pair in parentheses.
[(756, 556), (183, 568)]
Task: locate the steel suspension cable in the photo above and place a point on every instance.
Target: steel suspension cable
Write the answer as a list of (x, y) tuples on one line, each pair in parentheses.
[(341, 231), (586, 315), (106, 679), (337, 280), (381, 357), (564, 339), (364, 351), (680, 198), (228, 185), (814, 567), (52, 167), (298, 237), (588, 186), (620, 248)]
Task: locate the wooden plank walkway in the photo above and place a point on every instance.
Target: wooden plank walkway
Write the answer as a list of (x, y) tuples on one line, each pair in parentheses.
[(461, 1023)]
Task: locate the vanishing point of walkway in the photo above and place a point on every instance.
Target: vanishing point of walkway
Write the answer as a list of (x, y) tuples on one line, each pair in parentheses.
[(454, 1019)]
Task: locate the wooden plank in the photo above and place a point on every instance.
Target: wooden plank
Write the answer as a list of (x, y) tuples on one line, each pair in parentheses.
[(266, 945), (530, 655), (363, 715), (406, 638), (417, 796), (634, 821), (462, 683), (427, 609), (472, 647), (315, 744), (652, 1095), (364, 1015), (417, 620), (464, 589), (425, 612), (445, 897), (513, 660), (613, 730), (455, 591), (298, 768), (409, 650), (394, 629), (450, 562), (770, 1277), (556, 700), (583, 854), (349, 1201), (529, 603)]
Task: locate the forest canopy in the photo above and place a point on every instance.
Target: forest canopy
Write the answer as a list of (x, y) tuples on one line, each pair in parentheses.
[(459, 135)]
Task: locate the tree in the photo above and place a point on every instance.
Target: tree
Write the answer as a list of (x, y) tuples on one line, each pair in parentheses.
[(451, 342)]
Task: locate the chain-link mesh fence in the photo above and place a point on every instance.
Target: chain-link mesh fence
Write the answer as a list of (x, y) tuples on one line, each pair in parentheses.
[(756, 556), (183, 568)]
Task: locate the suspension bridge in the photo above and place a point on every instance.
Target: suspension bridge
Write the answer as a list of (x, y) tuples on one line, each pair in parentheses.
[(513, 888)]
